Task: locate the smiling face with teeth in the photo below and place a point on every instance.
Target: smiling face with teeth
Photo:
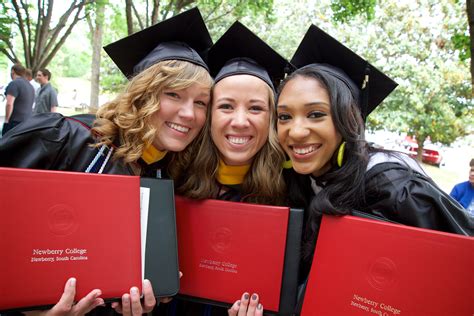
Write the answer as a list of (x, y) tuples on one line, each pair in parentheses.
[(306, 130), (240, 118), (181, 116)]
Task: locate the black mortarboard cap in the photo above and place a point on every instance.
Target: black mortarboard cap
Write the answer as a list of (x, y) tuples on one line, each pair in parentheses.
[(239, 51), (367, 83), (182, 37)]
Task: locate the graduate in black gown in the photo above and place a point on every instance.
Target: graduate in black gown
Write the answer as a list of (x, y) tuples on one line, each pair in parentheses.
[(321, 111), (238, 158), (161, 111)]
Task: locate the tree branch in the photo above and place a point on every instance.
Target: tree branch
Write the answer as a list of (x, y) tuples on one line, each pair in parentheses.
[(43, 32), (222, 15), (138, 17), (48, 52), (180, 4), (89, 23), (10, 53), (167, 10), (213, 10), (128, 13), (13, 58), (54, 33), (154, 13), (147, 8), (45, 61), (28, 42), (39, 20), (21, 25)]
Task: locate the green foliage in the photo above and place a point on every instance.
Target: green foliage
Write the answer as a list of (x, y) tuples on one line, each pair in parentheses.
[(112, 80), (462, 43), (70, 63), (344, 10), (433, 99), (6, 21)]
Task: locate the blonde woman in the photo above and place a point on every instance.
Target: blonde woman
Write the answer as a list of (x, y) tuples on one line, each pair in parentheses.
[(160, 113)]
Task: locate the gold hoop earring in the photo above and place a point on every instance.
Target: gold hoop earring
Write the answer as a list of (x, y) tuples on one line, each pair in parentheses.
[(340, 154), (287, 164)]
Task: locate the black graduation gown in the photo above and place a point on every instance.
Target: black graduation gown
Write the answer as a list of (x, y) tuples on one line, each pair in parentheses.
[(54, 142), (396, 193)]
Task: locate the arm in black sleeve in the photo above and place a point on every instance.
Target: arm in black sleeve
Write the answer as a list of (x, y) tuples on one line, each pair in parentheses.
[(407, 197), (44, 141)]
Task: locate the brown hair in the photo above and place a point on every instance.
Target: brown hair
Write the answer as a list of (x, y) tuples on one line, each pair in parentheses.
[(45, 73), (262, 184), (19, 70), (28, 73)]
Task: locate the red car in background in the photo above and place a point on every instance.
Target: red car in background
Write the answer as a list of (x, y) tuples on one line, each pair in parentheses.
[(430, 155)]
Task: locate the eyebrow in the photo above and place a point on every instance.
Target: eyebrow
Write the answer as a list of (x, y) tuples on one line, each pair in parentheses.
[(224, 99), (233, 100), (258, 101), (310, 104)]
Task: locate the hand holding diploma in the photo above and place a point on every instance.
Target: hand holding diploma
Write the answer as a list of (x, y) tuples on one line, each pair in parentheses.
[(247, 306), (66, 305), (131, 304)]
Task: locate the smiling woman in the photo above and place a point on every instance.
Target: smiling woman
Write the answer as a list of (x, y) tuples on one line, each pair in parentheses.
[(159, 114), (240, 118), (321, 110), (238, 157), (305, 126)]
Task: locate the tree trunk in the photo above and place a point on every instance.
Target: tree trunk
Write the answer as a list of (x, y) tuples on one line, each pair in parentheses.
[(470, 19), (97, 32), (420, 141), (129, 15)]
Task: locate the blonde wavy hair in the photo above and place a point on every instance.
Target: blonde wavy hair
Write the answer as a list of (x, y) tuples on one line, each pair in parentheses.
[(263, 184), (128, 117)]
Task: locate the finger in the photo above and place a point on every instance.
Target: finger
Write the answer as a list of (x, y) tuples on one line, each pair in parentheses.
[(126, 309), (137, 309), (259, 311), (35, 313), (67, 299), (88, 302), (149, 300), (252, 305), (117, 307), (165, 300), (180, 274), (244, 303), (234, 309)]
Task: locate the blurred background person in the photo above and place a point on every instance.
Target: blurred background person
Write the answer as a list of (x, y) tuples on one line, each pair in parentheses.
[(464, 192), (29, 77), (47, 98), (20, 96)]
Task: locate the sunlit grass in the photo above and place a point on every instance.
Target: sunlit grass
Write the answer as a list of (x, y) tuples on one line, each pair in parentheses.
[(445, 178)]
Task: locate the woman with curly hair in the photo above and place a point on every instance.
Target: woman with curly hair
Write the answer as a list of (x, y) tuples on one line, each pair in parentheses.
[(159, 114)]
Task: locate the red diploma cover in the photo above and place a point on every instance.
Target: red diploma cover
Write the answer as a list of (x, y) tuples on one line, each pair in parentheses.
[(367, 267), (228, 248), (55, 225)]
